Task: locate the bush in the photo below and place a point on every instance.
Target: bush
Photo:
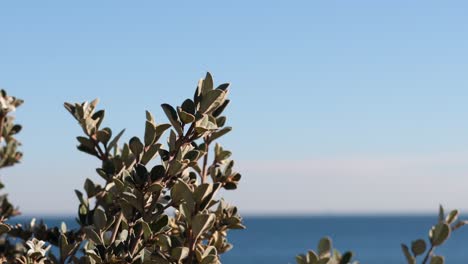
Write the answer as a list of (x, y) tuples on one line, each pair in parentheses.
[(167, 212), (164, 212)]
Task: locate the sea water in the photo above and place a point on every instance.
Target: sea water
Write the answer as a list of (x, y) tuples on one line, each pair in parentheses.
[(373, 239)]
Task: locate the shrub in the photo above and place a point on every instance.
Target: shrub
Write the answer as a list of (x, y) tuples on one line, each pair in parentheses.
[(148, 210), (166, 212)]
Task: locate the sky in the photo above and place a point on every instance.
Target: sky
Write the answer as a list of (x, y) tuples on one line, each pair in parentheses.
[(338, 107)]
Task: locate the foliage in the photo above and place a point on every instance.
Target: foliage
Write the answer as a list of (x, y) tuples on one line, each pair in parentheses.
[(325, 255), (145, 210), (162, 210), (438, 234), (9, 154)]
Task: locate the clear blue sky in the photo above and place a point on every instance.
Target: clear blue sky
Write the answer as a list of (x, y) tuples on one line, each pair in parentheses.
[(338, 106)]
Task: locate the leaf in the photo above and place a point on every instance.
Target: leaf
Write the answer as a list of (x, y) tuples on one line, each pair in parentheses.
[(180, 253), (162, 222), (437, 260), (301, 259), (439, 233), (99, 219), (312, 256), (149, 117), (202, 191), (89, 188), (188, 106), (346, 258), (103, 136), (146, 230), (201, 223), (212, 100), (221, 108), (172, 116), (155, 188), (207, 84), (113, 143), (217, 134), (157, 173), (181, 193), (324, 247), (4, 228), (150, 153), (409, 258), (185, 117), (441, 213), (452, 216), (150, 133), (92, 235), (418, 247), (136, 146)]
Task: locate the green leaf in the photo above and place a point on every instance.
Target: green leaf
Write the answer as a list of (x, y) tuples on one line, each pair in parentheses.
[(113, 143), (201, 223), (418, 247), (86, 142), (172, 116), (207, 84), (136, 146), (441, 213), (103, 136), (180, 253), (162, 222), (160, 129), (188, 106), (312, 256), (181, 193), (452, 217), (437, 260), (89, 188), (149, 117), (409, 258), (346, 258), (217, 134), (212, 100), (4, 228), (155, 188), (221, 108), (439, 234), (185, 117), (324, 260), (324, 247), (157, 173), (301, 259), (99, 219), (92, 235), (150, 153), (150, 133)]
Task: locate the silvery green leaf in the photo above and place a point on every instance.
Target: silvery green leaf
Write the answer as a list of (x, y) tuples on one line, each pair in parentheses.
[(201, 223), (418, 247), (437, 260), (99, 218), (92, 235), (324, 247), (136, 146), (172, 116), (439, 233)]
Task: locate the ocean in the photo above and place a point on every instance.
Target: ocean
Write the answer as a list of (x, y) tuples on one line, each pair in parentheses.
[(373, 239)]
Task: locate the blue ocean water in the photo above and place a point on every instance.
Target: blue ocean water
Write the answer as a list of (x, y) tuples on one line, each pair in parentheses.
[(373, 239)]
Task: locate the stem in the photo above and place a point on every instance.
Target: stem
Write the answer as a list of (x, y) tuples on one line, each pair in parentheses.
[(429, 253), (185, 139), (2, 120), (116, 228), (101, 156), (205, 163)]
